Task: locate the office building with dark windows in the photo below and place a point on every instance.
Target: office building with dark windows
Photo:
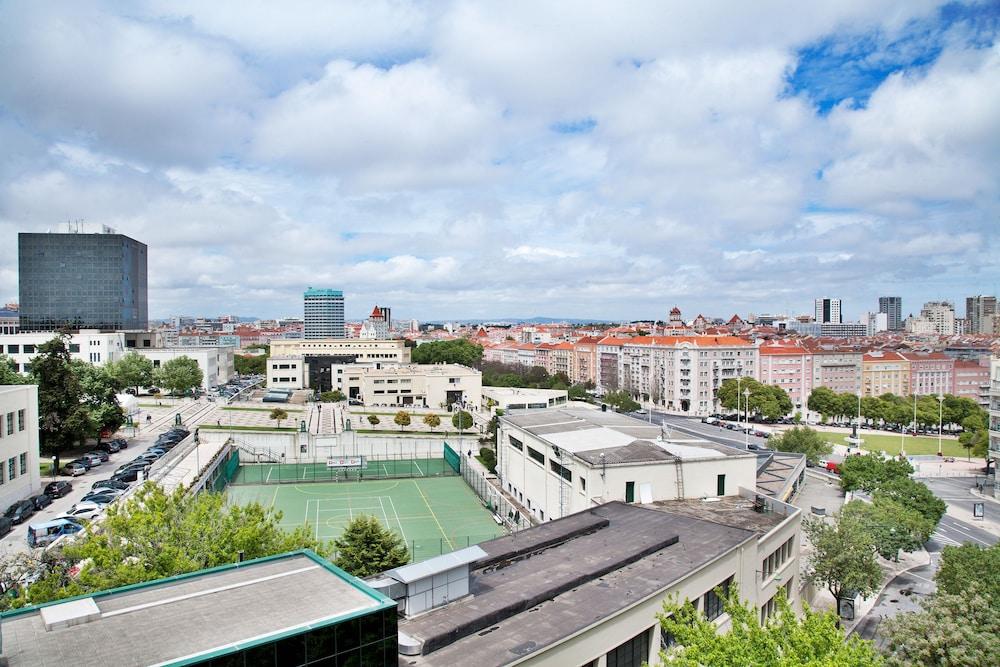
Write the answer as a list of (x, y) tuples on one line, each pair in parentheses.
[(86, 277)]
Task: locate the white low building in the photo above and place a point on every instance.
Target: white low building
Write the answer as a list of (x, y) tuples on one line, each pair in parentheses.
[(519, 398), (217, 363), (88, 345), (19, 473)]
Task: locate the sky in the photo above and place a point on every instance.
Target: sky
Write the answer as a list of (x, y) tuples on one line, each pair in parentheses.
[(513, 159)]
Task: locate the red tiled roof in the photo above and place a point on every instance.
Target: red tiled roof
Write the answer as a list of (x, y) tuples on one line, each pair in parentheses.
[(698, 341)]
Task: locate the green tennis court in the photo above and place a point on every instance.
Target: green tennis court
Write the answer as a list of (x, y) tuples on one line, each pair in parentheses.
[(292, 473), (434, 515)]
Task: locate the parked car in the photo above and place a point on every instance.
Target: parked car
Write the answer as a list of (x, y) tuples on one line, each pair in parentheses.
[(103, 456), (5, 526), (41, 534), (160, 451), (106, 498), (40, 501), (752, 447), (127, 475), (20, 511), (57, 489), (94, 459), (110, 484), (121, 442), (82, 510), (110, 447), (74, 469)]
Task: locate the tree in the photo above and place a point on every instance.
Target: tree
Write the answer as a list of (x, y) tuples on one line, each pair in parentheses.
[(461, 420), (871, 471), (843, 557), (782, 641), (578, 392), (154, 535), (334, 396), (970, 566), (133, 370), (250, 364), (458, 351), (824, 401), (366, 548), (180, 375), (63, 418), (432, 420), (621, 400), (99, 387), (802, 440), (768, 401), (489, 459), (374, 420), (8, 372), (914, 495), (278, 415), (893, 527), (950, 631), (402, 419)]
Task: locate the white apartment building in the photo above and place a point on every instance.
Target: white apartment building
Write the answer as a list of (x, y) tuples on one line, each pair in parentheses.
[(683, 373), (217, 363), (827, 310), (519, 398), (382, 351), (88, 345), (994, 408), (941, 314), (19, 473)]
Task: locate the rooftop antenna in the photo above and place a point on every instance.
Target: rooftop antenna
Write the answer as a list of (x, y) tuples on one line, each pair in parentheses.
[(604, 465)]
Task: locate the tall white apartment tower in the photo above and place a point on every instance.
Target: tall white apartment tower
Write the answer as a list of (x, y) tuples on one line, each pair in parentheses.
[(828, 311), (324, 313)]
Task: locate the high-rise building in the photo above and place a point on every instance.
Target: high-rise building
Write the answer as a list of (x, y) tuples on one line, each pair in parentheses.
[(892, 306), (88, 277), (828, 311), (324, 313), (942, 315), (977, 312), (877, 322)]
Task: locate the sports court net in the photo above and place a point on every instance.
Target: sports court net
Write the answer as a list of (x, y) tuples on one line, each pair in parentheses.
[(342, 469)]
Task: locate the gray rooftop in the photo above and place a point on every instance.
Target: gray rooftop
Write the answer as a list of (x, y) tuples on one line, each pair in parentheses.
[(588, 433), (543, 584), (778, 474), (186, 616), (733, 511)]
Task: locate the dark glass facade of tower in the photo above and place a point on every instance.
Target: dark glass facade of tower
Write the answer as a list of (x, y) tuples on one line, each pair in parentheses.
[(82, 281)]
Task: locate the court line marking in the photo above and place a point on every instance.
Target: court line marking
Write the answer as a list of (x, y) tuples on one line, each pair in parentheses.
[(275, 496), (267, 480), (311, 500), (398, 522), (384, 515), (417, 466), (431, 510)]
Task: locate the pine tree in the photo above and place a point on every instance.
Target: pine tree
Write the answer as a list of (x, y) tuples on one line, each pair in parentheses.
[(366, 548)]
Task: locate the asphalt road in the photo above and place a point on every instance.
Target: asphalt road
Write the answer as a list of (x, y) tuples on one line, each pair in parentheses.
[(694, 426)]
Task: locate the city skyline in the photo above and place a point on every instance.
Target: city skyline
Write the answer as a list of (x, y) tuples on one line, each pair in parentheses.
[(463, 161)]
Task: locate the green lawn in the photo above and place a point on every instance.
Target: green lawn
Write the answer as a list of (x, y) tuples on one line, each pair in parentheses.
[(890, 443)]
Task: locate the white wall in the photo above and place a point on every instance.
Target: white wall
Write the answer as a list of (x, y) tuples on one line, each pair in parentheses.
[(23, 440)]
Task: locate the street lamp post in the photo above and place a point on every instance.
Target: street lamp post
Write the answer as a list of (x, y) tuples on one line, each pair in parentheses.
[(746, 422), (940, 398)]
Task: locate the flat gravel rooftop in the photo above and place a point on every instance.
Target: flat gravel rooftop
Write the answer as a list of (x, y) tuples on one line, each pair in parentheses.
[(183, 617)]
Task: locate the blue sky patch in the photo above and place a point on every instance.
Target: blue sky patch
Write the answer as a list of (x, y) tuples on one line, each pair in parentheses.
[(578, 126)]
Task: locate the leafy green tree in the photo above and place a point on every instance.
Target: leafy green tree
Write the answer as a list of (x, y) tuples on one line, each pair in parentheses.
[(278, 415), (132, 370), (915, 495), (432, 420), (374, 420), (783, 640), (366, 548), (8, 372), (154, 535), (180, 375), (99, 387), (621, 400), (871, 471), (970, 566), (461, 420), (458, 351), (873, 409), (488, 458), (63, 418), (248, 364), (578, 392), (950, 631), (894, 527), (402, 419), (769, 401), (824, 401), (843, 557), (334, 396), (802, 440)]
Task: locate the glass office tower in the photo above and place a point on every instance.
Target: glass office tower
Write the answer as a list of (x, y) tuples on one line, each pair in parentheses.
[(82, 280), (324, 314)]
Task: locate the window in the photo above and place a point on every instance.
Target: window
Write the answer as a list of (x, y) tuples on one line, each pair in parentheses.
[(10, 423), (11, 469), (29, 349), (74, 348), (13, 349), (536, 455), (632, 653), (583, 483), (666, 639), (561, 470), (720, 485), (777, 558), (713, 602), (24, 463), (20, 419)]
